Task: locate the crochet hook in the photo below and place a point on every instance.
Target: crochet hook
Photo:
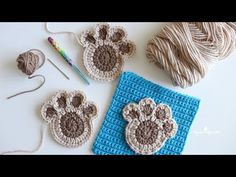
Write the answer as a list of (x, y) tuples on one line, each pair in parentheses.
[(67, 59)]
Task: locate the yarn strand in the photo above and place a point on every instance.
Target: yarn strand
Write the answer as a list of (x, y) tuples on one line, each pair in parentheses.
[(27, 91), (62, 32), (42, 132)]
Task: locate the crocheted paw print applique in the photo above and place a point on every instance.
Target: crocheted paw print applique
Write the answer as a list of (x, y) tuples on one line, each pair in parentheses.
[(70, 117), (105, 50), (149, 126)]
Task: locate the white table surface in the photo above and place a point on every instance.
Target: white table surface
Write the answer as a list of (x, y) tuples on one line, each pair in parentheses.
[(212, 132)]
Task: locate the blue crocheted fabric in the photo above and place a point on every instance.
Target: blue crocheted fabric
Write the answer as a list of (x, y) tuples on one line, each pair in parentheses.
[(132, 88)]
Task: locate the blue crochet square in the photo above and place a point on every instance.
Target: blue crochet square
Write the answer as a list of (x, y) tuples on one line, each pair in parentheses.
[(132, 88)]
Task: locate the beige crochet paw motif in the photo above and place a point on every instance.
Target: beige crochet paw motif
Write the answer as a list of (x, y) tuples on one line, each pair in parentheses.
[(69, 116), (105, 50), (149, 125)]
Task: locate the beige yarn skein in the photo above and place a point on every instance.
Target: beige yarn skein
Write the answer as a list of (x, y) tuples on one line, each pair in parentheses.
[(186, 50)]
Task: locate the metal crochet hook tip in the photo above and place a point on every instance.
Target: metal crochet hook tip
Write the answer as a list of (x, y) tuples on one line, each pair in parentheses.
[(58, 69)]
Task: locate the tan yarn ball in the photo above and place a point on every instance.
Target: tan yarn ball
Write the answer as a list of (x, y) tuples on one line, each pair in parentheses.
[(28, 62), (185, 50)]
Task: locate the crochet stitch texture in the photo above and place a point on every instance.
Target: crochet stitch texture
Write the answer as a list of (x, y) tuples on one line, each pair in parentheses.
[(69, 116), (149, 125), (106, 48), (132, 88)]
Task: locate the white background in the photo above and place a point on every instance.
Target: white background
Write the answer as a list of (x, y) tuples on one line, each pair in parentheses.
[(213, 130)]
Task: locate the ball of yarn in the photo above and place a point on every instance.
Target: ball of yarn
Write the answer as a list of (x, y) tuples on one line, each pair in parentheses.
[(186, 50), (28, 62)]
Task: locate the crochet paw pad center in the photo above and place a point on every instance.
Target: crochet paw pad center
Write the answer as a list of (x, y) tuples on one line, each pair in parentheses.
[(69, 116), (105, 50), (150, 125)]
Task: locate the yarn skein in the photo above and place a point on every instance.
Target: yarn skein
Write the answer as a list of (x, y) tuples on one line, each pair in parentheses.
[(186, 50), (28, 62)]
